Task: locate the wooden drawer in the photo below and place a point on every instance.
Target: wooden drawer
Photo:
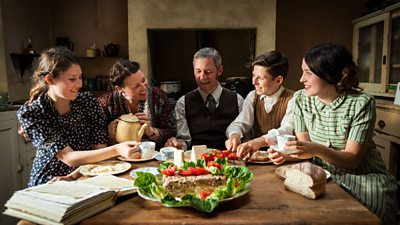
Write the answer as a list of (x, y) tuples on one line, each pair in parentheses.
[(388, 122)]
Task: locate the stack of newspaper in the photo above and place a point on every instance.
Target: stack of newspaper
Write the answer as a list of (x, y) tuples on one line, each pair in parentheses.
[(65, 202)]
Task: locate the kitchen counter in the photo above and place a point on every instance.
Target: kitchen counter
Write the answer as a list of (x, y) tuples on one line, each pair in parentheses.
[(9, 108), (387, 104)]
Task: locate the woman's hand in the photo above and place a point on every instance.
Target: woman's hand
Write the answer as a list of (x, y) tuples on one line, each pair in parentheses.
[(233, 142), (128, 149), (144, 118), (305, 149), (112, 129), (173, 142)]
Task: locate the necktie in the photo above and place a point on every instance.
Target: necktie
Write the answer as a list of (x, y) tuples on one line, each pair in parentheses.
[(212, 105)]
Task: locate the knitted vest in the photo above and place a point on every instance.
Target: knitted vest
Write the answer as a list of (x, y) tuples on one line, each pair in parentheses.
[(263, 121), (208, 128)]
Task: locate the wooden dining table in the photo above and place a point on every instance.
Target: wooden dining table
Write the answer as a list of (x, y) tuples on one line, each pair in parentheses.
[(267, 202)]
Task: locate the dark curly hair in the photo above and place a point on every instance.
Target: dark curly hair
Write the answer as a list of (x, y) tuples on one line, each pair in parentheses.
[(121, 70)]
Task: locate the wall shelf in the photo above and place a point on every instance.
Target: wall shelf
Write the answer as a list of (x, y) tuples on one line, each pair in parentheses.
[(22, 61)]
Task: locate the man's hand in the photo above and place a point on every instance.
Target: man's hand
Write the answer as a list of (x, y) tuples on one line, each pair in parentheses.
[(232, 143), (173, 142)]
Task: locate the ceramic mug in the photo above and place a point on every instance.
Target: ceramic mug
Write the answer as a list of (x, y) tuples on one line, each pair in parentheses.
[(168, 152), (149, 144), (147, 149), (282, 139)]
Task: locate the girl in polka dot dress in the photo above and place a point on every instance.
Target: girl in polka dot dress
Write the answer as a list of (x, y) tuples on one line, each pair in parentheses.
[(67, 127)]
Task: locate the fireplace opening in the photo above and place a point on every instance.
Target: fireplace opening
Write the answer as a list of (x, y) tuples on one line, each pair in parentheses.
[(171, 53)]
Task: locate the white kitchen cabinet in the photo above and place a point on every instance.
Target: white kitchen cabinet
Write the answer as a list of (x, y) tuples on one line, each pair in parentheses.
[(376, 50), (15, 163)]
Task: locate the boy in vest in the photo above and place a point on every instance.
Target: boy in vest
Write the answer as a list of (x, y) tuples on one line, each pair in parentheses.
[(266, 110), (203, 114)]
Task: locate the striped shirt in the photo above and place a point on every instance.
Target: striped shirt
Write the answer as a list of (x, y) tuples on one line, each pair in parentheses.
[(349, 117)]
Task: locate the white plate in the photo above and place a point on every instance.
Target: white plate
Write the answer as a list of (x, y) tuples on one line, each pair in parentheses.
[(152, 170), (105, 168), (253, 161), (286, 152), (281, 171), (237, 195), (258, 162), (138, 160)]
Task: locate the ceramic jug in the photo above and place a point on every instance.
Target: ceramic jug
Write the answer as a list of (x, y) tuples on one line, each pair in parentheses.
[(129, 128)]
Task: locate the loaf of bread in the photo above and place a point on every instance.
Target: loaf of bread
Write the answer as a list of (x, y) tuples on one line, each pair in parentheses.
[(306, 179)]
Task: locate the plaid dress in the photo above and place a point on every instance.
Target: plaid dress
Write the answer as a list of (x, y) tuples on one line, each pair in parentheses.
[(350, 117), (156, 106)]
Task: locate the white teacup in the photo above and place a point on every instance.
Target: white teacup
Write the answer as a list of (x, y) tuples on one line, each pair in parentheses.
[(282, 139), (149, 144), (167, 152), (147, 149)]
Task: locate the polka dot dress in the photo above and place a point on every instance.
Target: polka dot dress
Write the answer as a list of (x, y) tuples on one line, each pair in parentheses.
[(50, 133)]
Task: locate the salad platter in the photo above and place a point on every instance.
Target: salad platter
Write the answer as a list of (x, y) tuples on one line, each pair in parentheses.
[(202, 185)]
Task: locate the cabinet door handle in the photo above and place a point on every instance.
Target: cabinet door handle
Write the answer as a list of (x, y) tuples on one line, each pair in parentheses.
[(19, 168), (381, 124), (384, 60)]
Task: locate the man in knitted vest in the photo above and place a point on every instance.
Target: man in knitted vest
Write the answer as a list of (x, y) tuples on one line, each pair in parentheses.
[(266, 110), (203, 114)]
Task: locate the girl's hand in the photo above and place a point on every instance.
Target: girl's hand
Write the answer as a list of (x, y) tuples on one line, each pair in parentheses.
[(128, 149), (70, 177)]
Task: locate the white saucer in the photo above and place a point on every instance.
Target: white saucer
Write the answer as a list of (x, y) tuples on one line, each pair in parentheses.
[(138, 160), (152, 170)]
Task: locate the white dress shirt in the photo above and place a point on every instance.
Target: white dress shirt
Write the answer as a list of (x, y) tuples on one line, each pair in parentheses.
[(245, 120), (182, 127)]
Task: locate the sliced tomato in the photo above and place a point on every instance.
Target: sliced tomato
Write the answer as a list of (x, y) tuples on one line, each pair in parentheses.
[(194, 170), (219, 155), (214, 164), (185, 173), (208, 157), (232, 156), (202, 171), (204, 195), (216, 151), (236, 182), (226, 153), (170, 171)]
